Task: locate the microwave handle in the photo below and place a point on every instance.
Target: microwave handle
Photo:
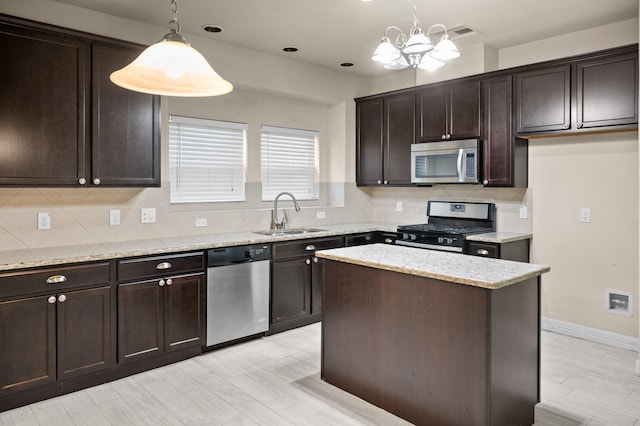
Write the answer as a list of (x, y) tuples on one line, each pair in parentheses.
[(460, 168)]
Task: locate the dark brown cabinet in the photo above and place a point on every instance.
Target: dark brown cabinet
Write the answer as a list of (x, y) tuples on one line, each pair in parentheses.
[(160, 314), (296, 282), (448, 111), (505, 157), (607, 91), (385, 129), (511, 250), (543, 100), (590, 93), (370, 238), (62, 122), (54, 329)]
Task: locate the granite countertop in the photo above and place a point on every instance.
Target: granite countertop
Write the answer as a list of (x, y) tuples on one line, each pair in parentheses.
[(499, 237), (453, 267), (51, 256)]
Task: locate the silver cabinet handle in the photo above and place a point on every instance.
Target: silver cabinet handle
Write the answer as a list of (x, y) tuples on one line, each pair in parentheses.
[(308, 261), (315, 260), (51, 299), (485, 182), (379, 181), (56, 279), (483, 252), (310, 247), (444, 137), (62, 298), (96, 181), (163, 265), (386, 182), (579, 125), (448, 137), (388, 241), (82, 181), (169, 281), (161, 283)]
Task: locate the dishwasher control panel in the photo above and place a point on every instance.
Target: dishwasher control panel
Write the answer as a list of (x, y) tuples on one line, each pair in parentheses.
[(238, 254)]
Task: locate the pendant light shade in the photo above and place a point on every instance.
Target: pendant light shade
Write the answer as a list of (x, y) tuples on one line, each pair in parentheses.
[(171, 67)]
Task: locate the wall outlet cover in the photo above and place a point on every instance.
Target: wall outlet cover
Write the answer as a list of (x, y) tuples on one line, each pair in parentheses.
[(114, 217), (523, 212), (398, 206), (44, 220), (585, 215), (320, 215), (201, 222), (148, 215)]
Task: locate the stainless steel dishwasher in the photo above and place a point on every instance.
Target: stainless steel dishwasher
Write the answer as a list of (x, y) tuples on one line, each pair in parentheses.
[(237, 292)]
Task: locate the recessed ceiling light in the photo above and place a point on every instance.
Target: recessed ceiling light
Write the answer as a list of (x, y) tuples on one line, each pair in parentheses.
[(212, 28), (349, 64), (290, 49)]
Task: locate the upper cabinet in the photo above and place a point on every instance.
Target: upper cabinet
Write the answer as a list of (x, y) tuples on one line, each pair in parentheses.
[(448, 111), (62, 122), (385, 127), (592, 93)]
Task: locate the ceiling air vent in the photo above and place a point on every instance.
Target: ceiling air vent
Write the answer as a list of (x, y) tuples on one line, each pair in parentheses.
[(455, 32)]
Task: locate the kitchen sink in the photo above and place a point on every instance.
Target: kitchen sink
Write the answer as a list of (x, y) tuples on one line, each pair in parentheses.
[(293, 231)]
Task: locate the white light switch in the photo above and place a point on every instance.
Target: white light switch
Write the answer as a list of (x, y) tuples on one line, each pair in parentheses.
[(399, 206), (585, 215), (523, 212), (201, 222)]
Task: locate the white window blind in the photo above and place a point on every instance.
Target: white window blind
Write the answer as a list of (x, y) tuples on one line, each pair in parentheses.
[(206, 160), (289, 162)]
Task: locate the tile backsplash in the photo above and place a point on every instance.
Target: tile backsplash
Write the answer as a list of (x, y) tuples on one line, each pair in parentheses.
[(81, 215)]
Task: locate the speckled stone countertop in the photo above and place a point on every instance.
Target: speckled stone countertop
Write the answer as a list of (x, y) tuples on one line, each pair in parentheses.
[(452, 267), (51, 256), (499, 237)]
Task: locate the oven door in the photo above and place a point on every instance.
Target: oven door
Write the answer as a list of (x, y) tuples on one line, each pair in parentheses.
[(444, 163)]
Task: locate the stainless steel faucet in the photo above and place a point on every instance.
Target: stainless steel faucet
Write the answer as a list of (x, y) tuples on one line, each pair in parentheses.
[(281, 224)]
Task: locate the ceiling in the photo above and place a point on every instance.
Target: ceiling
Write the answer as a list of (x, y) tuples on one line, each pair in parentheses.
[(330, 32)]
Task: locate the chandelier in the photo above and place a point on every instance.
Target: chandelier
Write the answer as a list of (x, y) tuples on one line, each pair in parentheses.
[(171, 67), (415, 51)]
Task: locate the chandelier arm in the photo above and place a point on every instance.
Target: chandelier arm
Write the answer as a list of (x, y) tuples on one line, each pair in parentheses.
[(436, 26)]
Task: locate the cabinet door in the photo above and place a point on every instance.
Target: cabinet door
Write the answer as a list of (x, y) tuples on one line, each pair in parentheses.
[(543, 100), (498, 138), (464, 110), (369, 136), (27, 343), (290, 286), (431, 110), (126, 125), (84, 332), (316, 286), (400, 135), (607, 92), (140, 320), (184, 321), (42, 107)]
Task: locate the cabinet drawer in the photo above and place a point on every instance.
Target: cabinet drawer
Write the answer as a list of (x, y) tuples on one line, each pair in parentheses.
[(304, 247), (484, 250), (54, 279), (359, 239), (154, 266)]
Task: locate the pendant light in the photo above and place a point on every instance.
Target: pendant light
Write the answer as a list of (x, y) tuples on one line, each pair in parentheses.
[(171, 67), (416, 50)]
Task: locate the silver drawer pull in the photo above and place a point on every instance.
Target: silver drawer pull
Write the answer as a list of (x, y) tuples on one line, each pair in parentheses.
[(62, 298), (388, 241), (483, 252), (310, 247), (169, 281), (163, 265), (51, 299), (56, 279)]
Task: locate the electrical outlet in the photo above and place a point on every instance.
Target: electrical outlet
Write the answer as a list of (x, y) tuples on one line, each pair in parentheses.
[(44, 220), (585, 215), (523, 212), (114, 217), (201, 222), (320, 215), (148, 215), (398, 206)]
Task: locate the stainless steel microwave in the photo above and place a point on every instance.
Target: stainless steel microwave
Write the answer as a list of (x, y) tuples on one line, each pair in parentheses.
[(445, 162)]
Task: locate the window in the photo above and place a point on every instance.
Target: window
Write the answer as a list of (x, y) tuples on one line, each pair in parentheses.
[(289, 162), (206, 160)]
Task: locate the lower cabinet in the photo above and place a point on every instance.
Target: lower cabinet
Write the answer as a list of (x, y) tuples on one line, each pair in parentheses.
[(512, 250), (296, 282), (158, 316), (161, 314), (58, 332)]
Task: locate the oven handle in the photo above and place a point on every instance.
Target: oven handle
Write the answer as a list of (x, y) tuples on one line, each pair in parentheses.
[(429, 246), (460, 169)]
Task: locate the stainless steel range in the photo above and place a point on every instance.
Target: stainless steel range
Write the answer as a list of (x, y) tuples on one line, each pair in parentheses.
[(448, 224)]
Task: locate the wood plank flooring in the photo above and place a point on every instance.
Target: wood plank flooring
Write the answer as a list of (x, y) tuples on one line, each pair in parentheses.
[(275, 381)]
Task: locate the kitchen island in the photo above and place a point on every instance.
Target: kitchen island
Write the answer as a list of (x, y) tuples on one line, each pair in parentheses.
[(435, 338)]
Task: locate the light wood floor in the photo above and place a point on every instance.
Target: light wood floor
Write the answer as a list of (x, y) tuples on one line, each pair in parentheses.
[(275, 381)]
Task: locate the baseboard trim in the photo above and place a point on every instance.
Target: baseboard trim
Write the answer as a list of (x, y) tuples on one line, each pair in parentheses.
[(591, 334)]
